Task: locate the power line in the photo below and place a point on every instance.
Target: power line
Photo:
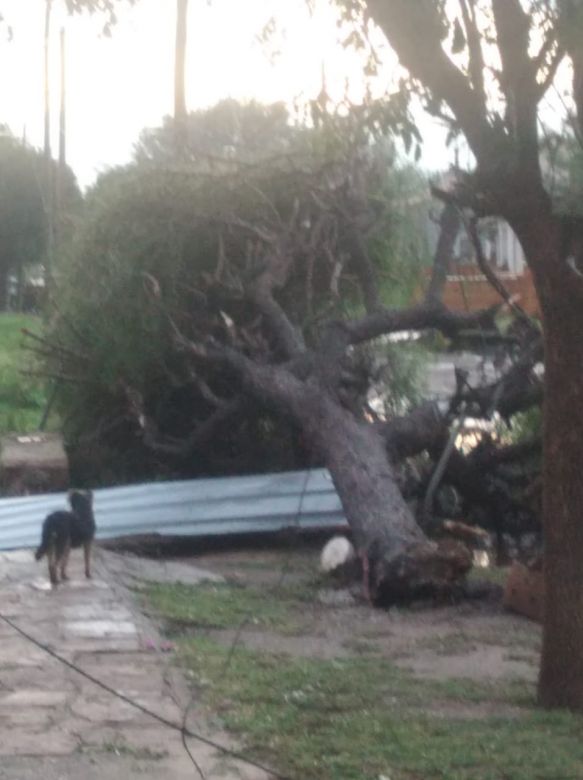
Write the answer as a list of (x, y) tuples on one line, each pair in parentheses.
[(246, 618), (186, 732)]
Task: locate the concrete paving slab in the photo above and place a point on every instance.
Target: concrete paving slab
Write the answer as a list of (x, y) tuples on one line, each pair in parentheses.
[(58, 725), (31, 697), (22, 741), (97, 629)]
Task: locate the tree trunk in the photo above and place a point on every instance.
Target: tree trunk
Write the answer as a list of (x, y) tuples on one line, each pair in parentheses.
[(403, 562), (561, 294)]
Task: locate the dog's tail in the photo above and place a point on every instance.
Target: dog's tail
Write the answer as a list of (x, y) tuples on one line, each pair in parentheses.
[(45, 543)]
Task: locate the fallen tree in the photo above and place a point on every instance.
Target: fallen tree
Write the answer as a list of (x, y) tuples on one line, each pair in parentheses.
[(310, 384), (282, 315)]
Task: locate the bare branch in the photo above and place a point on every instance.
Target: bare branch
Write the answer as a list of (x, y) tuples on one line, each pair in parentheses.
[(198, 438), (516, 391), (51, 347), (449, 227), (207, 392), (475, 51), (69, 379), (422, 317), (490, 274), (286, 334), (422, 429), (556, 58), (410, 29), (364, 269), (518, 81)]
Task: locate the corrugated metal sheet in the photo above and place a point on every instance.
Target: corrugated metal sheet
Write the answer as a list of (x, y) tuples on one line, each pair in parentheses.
[(231, 505)]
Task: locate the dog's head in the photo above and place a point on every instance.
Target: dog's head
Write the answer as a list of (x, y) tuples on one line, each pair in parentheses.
[(81, 500)]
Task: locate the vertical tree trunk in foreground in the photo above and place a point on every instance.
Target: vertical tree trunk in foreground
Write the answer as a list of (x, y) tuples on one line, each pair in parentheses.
[(561, 294)]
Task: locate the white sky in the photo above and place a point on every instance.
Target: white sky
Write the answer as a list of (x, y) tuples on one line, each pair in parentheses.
[(118, 86)]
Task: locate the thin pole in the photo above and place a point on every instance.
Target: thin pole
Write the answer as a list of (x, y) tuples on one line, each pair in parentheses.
[(180, 118)]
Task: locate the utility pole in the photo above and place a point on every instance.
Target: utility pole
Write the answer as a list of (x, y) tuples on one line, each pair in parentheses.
[(180, 115), (49, 179), (63, 108), (62, 136)]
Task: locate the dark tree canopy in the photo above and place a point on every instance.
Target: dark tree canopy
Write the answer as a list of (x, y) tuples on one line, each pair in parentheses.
[(228, 129), (23, 219), (200, 227)]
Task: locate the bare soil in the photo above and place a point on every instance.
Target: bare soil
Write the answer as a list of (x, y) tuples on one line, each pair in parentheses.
[(473, 639)]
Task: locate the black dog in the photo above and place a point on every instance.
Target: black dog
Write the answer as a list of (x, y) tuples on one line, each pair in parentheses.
[(63, 530)]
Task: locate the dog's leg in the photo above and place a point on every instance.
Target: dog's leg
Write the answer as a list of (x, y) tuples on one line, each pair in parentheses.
[(52, 560), (87, 554), (65, 560)]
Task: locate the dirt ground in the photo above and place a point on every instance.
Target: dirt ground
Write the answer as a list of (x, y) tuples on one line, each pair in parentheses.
[(474, 639)]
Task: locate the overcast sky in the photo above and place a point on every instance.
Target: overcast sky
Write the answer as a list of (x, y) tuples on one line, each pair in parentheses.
[(120, 85)]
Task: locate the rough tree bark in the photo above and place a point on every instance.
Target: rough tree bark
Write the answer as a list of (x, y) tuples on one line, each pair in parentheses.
[(560, 288), (508, 182), (403, 562)]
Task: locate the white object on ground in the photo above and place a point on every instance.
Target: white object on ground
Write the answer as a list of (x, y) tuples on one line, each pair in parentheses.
[(337, 552)]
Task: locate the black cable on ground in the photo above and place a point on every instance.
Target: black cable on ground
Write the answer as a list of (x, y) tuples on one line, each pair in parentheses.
[(248, 616), (136, 705)]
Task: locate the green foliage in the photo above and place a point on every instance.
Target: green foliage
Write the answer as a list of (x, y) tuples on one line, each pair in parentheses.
[(23, 195), (186, 226), (360, 717), (218, 605), (22, 215), (228, 130), (563, 168), (22, 398), (525, 426), (399, 384)]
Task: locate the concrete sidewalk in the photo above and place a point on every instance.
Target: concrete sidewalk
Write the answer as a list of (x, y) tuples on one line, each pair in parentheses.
[(57, 725)]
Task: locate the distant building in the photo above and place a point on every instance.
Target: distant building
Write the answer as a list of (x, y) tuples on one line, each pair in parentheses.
[(467, 288)]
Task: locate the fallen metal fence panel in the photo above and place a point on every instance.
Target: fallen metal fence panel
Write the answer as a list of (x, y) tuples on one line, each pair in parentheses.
[(202, 507)]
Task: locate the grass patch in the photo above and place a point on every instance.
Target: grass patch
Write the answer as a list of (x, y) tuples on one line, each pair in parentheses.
[(495, 575), (119, 747), (361, 646), (361, 718), (22, 398), (454, 643), (220, 605)]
